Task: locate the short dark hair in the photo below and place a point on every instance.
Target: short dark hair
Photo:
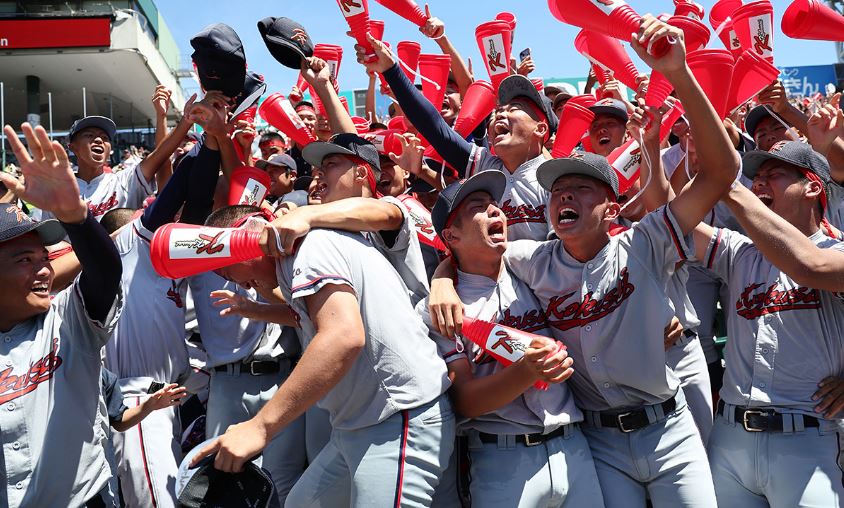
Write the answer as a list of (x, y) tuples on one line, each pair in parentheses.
[(270, 136), (116, 218), (228, 215)]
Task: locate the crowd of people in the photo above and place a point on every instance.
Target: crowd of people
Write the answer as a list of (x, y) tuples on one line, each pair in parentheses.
[(437, 320)]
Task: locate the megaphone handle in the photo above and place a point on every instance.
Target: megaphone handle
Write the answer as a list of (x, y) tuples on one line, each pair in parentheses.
[(659, 48)]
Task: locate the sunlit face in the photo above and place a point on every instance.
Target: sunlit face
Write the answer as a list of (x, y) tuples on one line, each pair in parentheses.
[(606, 134), (256, 273), (478, 227), (282, 179), (780, 186), (393, 181), (451, 103), (26, 277), (580, 205), (92, 147), (335, 179), (515, 125), (769, 132), (309, 118), (270, 148)]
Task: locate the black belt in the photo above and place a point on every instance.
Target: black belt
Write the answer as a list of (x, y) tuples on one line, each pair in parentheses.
[(629, 421), (256, 368), (689, 333), (763, 419), (525, 439)]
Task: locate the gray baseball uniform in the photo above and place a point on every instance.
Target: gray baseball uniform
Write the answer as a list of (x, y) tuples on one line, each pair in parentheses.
[(611, 312), (524, 201), (835, 208), (391, 420), (52, 417), (508, 473), (784, 339)]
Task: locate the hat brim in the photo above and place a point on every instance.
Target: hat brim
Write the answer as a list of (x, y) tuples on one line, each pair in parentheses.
[(520, 86), (100, 122), (491, 181), (250, 99), (756, 115), (285, 52), (315, 152), (49, 231), (549, 171), (752, 161), (611, 111)]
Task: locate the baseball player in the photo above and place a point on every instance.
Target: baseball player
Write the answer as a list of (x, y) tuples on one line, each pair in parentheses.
[(525, 447), (53, 419), (393, 427), (523, 122), (607, 131), (605, 297), (770, 446)]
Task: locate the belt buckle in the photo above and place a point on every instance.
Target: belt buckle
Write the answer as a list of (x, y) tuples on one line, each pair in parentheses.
[(748, 413), (529, 441), (252, 369), (619, 419)]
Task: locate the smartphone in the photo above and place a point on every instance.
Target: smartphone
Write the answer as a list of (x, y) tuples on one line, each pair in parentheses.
[(524, 55), (154, 387)]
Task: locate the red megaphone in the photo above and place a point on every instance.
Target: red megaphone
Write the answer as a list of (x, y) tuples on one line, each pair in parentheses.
[(434, 72), (610, 17), (754, 26), (495, 42), (478, 103), (356, 13), (408, 9), (751, 75), (601, 75), (279, 113), (811, 19), (301, 84), (386, 141), (670, 119), (688, 9), (421, 218), (397, 123), (376, 28), (721, 21), (585, 100), (713, 70), (181, 250), (659, 88), (408, 54), (510, 19), (361, 124), (248, 186), (608, 53), (695, 33), (574, 121)]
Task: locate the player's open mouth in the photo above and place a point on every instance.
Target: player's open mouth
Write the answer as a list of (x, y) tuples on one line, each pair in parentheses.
[(319, 192), (496, 232), (499, 130), (604, 140), (446, 107), (567, 216), (41, 289), (766, 199)]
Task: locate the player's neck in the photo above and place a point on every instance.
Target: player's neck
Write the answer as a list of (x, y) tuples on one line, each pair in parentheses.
[(486, 266), (585, 248), (513, 158), (88, 173)]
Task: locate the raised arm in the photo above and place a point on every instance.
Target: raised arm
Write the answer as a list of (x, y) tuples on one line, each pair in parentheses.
[(825, 130), (317, 73), (719, 163), (158, 157), (161, 103), (657, 190)]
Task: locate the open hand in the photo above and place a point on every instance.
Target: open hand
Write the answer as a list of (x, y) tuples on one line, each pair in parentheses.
[(161, 100), (241, 443), (168, 396), (650, 32), (434, 28)]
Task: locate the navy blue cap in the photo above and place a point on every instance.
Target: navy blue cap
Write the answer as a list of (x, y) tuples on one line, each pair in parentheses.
[(579, 163), (287, 41), (208, 487), (756, 115), (100, 122), (491, 181), (344, 144), (253, 88), (15, 223), (520, 86), (277, 159), (220, 59)]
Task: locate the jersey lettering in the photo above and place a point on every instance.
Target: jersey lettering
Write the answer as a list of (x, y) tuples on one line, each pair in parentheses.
[(174, 295), (530, 321), (772, 300), (102, 208), (517, 214), (12, 386), (589, 310)]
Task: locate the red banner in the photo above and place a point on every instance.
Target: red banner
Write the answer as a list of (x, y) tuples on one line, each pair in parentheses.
[(55, 33)]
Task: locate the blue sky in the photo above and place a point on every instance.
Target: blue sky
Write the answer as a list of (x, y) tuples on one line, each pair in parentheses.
[(551, 42)]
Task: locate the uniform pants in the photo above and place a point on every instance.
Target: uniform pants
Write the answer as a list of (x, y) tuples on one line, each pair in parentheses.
[(397, 462), (688, 362), (776, 469), (556, 473), (665, 461), (237, 396), (149, 453)]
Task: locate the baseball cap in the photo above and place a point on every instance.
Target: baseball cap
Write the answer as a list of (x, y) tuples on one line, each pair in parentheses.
[(491, 181), (756, 115), (204, 486), (220, 59), (796, 153), (100, 122), (612, 107), (253, 88), (579, 163), (277, 159), (560, 97), (287, 41), (15, 223), (520, 86), (344, 144)]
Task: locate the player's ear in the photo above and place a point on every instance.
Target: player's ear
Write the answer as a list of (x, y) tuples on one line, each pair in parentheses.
[(612, 211), (361, 173), (813, 189)]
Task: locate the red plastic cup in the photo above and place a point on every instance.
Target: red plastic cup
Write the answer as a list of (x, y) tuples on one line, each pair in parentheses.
[(495, 43), (279, 113), (616, 19), (585, 100), (386, 141), (248, 186), (361, 124), (357, 16), (574, 122), (397, 123), (754, 25), (713, 70), (688, 9), (608, 53), (811, 19), (434, 69), (247, 115), (376, 28), (695, 33), (751, 74), (408, 53), (408, 9), (659, 88), (181, 250), (510, 19)]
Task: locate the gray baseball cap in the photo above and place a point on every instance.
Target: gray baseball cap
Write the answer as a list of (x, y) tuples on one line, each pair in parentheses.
[(797, 154), (756, 115), (579, 163), (611, 107), (100, 122), (344, 144), (277, 159), (491, 181)]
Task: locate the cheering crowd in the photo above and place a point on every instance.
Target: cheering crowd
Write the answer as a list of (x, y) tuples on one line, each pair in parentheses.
[(473, 302)]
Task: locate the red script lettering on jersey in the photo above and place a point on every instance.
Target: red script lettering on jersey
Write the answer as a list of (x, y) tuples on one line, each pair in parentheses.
[(531, 321), (102, 208), (12, 386), (517, 214), (771, 300), (589, 310)]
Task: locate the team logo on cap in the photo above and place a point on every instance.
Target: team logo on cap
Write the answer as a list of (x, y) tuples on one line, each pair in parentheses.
[(19, 214), (576, 155), (300, 36), (779, 145)]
